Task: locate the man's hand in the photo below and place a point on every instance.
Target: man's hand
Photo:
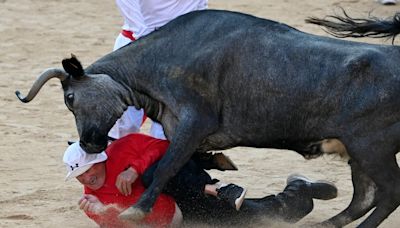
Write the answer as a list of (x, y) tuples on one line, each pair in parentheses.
[(90, 203), (125, 180)]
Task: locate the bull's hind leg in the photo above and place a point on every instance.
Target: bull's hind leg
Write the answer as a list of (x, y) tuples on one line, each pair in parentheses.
[(385, 172), (362, 202), (375, 158)]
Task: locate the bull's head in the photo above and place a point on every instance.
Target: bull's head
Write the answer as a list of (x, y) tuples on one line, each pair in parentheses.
[(96, 101)]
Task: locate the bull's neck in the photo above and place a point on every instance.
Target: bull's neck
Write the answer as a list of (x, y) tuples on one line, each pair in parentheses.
[(151, 107)]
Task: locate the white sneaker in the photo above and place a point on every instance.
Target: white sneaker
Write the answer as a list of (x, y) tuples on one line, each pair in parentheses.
[(387, 2)]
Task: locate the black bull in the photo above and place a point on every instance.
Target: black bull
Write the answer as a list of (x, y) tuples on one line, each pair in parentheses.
[(219, 79)]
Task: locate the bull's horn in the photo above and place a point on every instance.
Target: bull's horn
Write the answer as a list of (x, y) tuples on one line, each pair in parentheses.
[(40, 81)]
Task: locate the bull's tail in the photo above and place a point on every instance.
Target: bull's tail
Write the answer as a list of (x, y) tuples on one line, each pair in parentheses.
[(346, 26)]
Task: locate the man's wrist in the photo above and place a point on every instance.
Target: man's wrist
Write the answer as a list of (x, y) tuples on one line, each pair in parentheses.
[(131, 168)]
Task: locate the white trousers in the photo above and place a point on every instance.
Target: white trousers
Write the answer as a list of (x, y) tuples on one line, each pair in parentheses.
[(131, 120)]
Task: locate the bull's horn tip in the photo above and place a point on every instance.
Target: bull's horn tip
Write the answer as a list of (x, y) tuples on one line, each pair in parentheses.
[(19, 96)]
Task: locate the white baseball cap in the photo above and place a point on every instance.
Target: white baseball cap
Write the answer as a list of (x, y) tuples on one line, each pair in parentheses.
[(78, 161)]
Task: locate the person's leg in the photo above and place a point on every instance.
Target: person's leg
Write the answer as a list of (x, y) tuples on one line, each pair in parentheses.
[(130, 122), (192, 185), (190, 180), (157, 131), (292, 204), (187, 188), (121, 41)]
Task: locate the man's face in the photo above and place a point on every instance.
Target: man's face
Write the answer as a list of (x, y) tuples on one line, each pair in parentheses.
[(94, 177)]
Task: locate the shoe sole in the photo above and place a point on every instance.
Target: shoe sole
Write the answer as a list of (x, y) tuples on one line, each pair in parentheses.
[(387, 3), (239, 201), (293, 177)]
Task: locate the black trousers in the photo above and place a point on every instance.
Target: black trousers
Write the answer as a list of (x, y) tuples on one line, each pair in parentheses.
[(187, 188)]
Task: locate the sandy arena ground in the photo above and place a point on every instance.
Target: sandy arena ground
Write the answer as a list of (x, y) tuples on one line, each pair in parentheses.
[(37, 34)]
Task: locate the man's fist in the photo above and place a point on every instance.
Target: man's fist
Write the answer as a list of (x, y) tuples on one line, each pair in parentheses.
[(90, 203)]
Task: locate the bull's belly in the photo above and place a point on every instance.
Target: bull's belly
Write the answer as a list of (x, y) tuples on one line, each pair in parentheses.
[(222, 140)]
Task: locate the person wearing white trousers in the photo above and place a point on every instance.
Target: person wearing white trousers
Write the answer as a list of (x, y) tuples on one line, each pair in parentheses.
[(142, 17)]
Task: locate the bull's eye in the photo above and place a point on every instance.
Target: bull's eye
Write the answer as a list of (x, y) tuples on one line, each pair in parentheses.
[(70, 99)]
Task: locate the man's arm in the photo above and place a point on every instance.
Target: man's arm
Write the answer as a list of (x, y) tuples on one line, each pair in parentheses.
[(103, 215), (125, 180), (147, 151), (109, 218), (141, 152)]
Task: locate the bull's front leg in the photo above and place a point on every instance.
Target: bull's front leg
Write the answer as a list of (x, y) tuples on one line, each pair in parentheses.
[(192, 129)]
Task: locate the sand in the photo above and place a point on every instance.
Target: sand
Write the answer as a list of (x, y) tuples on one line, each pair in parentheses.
[(37, 34)]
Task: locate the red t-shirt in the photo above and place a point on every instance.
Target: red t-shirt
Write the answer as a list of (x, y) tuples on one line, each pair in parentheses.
[(138, 151)]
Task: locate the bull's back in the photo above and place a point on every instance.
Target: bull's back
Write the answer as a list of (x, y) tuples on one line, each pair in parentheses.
[(287, 84), (269, 82)]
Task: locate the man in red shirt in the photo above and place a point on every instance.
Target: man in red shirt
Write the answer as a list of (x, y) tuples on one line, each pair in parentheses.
[(111, 178), (111, 185)]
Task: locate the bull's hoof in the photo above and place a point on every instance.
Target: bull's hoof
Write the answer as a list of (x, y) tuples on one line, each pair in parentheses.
[(132, 214)]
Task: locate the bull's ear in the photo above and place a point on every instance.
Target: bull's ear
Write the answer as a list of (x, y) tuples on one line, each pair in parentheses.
[(73, 67)]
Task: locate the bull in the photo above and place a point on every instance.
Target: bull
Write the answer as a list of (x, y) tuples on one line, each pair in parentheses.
[(218, 79)]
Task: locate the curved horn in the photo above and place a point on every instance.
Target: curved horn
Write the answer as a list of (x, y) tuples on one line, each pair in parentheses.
[(40, 81)]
